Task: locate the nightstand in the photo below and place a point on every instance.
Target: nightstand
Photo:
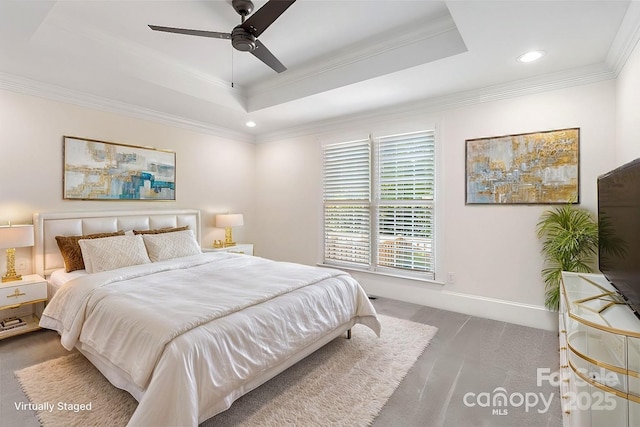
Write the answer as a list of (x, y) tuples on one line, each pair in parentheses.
[(240, 248), (20, 299)]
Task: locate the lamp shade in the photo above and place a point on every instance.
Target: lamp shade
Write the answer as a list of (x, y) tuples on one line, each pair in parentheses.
[(16, 236), (229, 220)]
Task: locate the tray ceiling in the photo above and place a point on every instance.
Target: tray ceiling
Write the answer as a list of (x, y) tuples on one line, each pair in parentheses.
[(344, 58)]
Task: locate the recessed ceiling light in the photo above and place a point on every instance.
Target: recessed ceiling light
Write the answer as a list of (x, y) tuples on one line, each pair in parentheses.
[(251, 124), (531, 56)]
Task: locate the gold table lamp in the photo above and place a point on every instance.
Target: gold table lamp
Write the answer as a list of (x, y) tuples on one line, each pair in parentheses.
[(227, 221), (12, 237)]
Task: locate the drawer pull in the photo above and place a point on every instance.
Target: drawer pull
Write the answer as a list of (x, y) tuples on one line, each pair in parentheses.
[(564, 366), (16, 294)]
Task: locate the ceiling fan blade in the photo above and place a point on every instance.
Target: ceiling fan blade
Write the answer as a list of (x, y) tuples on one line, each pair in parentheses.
[(201, 33), (263, 54), (263, 17)]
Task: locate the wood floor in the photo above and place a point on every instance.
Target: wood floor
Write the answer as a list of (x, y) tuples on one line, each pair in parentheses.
[(468, 359), (452, 384)]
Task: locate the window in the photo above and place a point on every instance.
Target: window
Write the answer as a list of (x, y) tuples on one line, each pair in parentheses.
[(379, 204)]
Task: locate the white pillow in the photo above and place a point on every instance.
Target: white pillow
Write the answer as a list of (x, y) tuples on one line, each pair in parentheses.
[(171, 245), (109, 253)]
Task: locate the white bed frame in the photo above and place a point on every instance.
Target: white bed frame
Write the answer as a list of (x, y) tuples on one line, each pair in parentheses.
[(47, 259), (48, 225)]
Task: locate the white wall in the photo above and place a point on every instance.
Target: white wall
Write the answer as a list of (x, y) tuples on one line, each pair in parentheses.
[(628, 110), (212, 174), (289, 209), (493, 250)]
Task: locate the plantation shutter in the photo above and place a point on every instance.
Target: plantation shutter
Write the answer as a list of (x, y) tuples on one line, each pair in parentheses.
[(347, 203), (379, 204), (405, 169)]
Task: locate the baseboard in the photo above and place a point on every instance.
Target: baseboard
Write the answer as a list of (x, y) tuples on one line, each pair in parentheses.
[(473, 305)]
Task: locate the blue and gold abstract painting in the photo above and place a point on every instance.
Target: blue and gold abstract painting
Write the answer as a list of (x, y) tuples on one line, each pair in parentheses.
[(97, 170)]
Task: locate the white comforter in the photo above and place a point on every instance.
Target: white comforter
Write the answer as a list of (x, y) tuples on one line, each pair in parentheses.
[(191, 333)]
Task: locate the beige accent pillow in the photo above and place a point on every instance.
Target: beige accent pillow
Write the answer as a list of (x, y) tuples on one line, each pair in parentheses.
[(70, 249), (171, 245), (110, 253), (161, 230)]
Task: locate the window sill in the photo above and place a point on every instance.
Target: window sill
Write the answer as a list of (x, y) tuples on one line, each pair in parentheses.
[(382, 273)]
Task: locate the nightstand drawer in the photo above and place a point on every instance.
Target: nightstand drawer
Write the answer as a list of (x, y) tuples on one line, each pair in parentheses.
[(240, 251), (14, 294), (240, 248)]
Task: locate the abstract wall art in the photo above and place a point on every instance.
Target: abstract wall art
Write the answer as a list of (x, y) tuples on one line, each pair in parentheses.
[(529, 168), (98, 170)]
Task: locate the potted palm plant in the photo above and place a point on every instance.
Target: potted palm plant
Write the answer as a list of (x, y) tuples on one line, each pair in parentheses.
[(569, 243)]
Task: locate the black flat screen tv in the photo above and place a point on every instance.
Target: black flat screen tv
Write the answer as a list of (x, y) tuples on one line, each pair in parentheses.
[(619, 223)]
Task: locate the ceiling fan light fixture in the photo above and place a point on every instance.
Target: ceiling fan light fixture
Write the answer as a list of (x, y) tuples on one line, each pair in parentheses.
[(531, 56)]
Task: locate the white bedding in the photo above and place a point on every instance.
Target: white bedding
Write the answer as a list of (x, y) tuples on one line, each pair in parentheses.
[(196, 330), (59, 277)]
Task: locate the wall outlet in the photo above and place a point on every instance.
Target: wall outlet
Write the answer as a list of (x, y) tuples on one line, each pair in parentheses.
[(21, 264), (451, 278)]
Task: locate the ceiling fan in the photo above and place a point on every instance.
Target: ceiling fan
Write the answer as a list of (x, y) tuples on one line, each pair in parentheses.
[(244, 37)]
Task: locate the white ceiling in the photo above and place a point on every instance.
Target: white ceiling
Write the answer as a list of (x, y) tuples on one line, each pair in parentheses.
[(344, 58)]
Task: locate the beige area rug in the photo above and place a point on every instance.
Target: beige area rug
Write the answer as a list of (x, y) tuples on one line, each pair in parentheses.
[(345, 383)]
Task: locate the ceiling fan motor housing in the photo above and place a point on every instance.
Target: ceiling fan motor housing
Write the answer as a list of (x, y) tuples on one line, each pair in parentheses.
[(242, 40)]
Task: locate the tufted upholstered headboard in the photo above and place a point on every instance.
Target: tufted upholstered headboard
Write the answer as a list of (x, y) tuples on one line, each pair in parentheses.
[(48, 225)]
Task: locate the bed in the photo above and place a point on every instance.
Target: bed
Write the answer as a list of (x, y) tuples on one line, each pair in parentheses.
[(186, 333)]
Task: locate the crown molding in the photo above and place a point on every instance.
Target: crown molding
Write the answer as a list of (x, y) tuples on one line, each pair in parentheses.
[(354, 54), (626, 39), (554, 81), (58, 93)]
